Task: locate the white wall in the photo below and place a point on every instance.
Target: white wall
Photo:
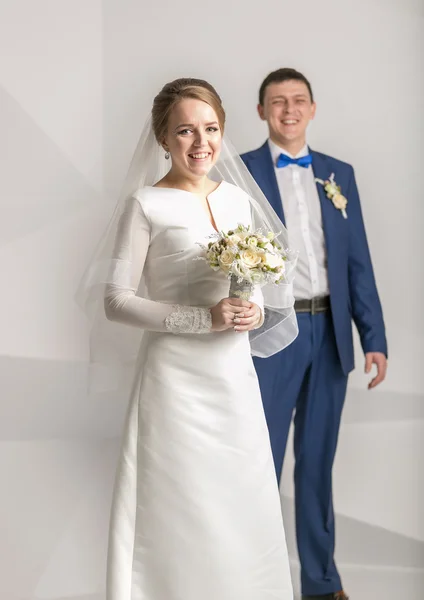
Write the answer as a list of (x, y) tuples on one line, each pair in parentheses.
[(76, 82)]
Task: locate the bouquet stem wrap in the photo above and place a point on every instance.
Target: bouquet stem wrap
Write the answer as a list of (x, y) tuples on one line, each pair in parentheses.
[(240, 289)]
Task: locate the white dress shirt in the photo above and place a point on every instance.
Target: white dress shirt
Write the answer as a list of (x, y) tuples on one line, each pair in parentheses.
[(302, 211)]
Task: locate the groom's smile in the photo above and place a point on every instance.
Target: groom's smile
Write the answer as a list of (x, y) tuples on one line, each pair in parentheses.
[(288, 108), (289, 124)]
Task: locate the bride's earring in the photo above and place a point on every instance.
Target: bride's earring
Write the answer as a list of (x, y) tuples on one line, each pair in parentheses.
[(167, 155)]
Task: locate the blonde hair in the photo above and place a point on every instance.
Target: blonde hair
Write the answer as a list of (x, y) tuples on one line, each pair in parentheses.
[(177, 90)]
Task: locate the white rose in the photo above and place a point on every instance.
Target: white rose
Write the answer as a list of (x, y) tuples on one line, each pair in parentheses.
[(273, 260), (226, 259), (252, 242), (250, 258), (234, 239)]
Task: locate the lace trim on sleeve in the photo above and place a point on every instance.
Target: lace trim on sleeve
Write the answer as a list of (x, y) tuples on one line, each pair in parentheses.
[(189, 319)]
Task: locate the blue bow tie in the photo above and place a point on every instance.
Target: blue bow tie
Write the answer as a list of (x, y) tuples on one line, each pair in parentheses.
[(284, 161)]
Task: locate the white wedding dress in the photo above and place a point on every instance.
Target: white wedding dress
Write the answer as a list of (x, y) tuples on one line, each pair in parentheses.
[(196, 512)]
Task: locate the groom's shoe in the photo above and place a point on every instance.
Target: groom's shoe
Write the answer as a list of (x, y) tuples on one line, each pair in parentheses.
[(334, 596)]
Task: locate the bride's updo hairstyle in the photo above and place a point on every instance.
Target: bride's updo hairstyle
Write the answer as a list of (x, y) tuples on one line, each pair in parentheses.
[(178, 90)]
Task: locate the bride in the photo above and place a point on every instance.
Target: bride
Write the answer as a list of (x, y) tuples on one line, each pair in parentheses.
[(196, 512)]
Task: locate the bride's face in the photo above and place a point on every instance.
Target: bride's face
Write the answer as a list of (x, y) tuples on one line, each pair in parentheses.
[(194, 138)]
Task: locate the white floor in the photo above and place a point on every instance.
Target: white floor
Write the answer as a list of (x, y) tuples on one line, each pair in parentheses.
[(371, 561), (370, 583)]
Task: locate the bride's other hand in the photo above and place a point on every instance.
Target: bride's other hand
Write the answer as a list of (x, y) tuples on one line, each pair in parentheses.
[(229, 311), (250, 319)]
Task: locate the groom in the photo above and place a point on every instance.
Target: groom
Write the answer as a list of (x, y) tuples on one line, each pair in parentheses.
[(334, 284)]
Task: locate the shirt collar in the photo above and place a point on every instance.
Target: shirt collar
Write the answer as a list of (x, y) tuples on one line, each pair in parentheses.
[(276, 151)]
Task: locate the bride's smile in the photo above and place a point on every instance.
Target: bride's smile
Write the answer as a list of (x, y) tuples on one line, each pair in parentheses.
[(193, 138)]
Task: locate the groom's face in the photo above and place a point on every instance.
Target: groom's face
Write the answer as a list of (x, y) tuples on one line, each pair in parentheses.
[(288, 109)]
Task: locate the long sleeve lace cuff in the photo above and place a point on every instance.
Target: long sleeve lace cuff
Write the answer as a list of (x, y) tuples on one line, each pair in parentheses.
[(189, 319)]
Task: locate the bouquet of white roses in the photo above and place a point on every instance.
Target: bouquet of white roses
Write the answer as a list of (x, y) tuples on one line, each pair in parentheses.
[(248, 258)]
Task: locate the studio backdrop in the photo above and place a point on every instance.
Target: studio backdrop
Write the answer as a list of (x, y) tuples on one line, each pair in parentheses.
[(77, 79)]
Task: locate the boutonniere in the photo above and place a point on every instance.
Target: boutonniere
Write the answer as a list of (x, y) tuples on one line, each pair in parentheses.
[(333, 192)]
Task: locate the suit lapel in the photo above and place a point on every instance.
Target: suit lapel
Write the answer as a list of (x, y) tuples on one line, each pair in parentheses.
[(322, 171), (263, 171), (262, 168)]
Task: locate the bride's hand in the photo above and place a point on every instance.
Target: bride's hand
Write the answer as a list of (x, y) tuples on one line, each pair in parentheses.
[(229, 312), (251, 318)]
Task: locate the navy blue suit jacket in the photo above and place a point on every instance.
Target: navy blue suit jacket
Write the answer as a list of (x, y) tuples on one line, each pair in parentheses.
[(353, 291)]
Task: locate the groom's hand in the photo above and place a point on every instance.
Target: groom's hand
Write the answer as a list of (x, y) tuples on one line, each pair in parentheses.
[(379, 359)]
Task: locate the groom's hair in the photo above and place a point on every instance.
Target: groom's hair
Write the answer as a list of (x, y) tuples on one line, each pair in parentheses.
[(281, 75)]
